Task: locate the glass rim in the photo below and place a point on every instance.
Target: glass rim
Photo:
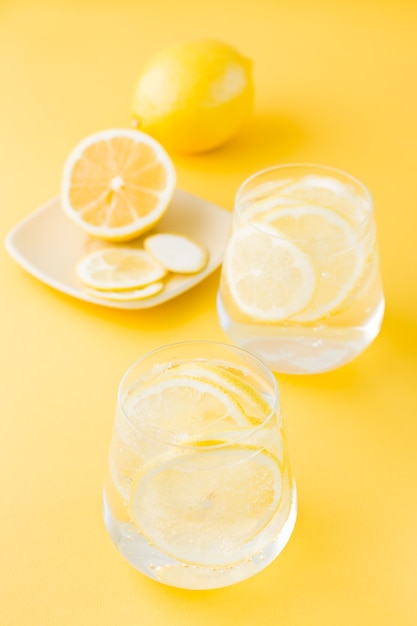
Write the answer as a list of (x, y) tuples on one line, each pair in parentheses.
[(308, 166), (266, 371)]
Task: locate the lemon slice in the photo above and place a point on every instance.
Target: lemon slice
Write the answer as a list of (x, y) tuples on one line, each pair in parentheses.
[(113, 269), (252, 402), (177, 408), (327, 192), (129, 294), (176, 253), (334, 249), (270, 279), (208, 507), (117, 184)]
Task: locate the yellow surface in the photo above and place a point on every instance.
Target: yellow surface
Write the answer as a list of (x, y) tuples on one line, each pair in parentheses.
[(335, 84)]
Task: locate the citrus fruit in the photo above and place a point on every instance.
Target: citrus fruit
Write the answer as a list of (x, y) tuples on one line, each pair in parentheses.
[(251, 401), (270, 279), (114, 269), (208, 507), (128, 295), (333, 248), (117, 184), (194, 96), (329, 193), (176, 407), (176, 253)]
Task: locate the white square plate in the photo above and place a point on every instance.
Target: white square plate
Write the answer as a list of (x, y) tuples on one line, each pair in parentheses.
[(49, 246)]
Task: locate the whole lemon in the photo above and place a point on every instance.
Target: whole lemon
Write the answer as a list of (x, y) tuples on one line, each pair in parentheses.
[(194, 96)]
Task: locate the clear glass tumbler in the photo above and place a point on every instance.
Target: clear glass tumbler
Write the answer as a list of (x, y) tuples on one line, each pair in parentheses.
[(199, 493), (300, 283)]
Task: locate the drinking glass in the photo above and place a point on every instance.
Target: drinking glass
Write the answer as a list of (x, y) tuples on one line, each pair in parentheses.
[(300, 283), (199, 492)]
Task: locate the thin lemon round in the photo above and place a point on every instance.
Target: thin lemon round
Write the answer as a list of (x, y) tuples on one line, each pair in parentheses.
[(270, 279), (177, 408), (333, 247), (252, 402), (194, 96), (116, 269), (128, 295), (327, 192), (117, 184), (208, 508), (177, 253)]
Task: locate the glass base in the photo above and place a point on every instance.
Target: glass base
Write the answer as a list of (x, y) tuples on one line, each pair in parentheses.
[(302, 350), (162, 568)]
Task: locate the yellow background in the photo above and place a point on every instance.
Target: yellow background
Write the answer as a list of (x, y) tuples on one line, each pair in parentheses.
[(336, 83)]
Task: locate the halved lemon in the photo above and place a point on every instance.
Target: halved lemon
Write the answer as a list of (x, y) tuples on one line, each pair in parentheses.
[(116, 269), (333, 247), (209, 507), (270, 279), (117, 184), (177, 253)]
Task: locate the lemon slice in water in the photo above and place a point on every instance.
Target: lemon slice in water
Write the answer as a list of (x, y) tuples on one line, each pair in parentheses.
[(270, 279), (209, 507), (333, 248), (252, 401), (177, 408), (128, 295)]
